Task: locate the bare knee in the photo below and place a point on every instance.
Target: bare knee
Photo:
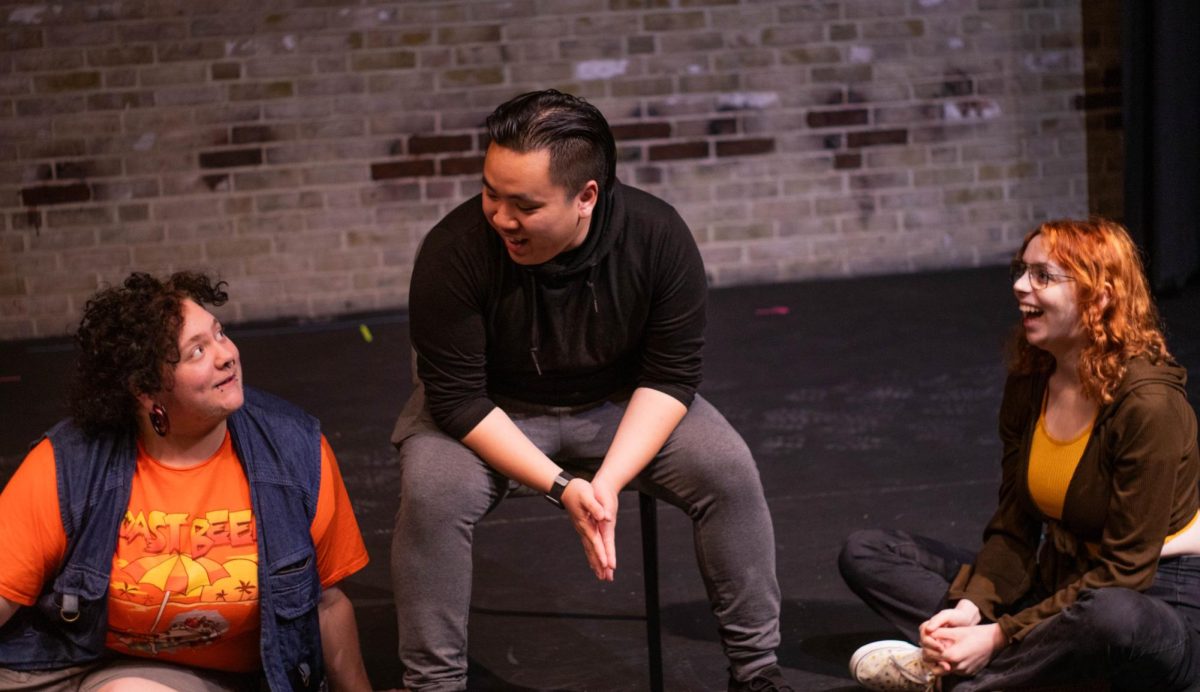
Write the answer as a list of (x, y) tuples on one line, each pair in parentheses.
[(134, 684)]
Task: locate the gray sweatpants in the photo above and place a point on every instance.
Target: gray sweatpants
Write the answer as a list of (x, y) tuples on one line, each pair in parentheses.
[(705, 469)]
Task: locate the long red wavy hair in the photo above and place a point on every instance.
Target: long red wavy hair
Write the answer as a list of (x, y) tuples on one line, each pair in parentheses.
[(1100, 257)]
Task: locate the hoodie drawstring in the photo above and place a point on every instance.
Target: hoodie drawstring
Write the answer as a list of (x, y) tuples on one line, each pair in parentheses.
[(591, 284), (535, 338)]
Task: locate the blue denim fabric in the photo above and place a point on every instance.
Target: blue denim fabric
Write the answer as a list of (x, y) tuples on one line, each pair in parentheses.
[(279, 447)]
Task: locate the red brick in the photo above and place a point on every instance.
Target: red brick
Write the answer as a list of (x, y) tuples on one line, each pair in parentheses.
[(252, 133), (266, 90), (745, 147), (644, 130), (468, 34), (876, 138), (437, 144), (103, 168), (674, 21), (226, 70), (682, 150), (70, 81), (55, 194), (847, 161), (231, 158), (721, 126), (401, 169), (468, 165), (618, 5), (20, 39), (842, 118)]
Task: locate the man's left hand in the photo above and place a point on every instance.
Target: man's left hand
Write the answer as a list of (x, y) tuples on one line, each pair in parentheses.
[(606, 495)]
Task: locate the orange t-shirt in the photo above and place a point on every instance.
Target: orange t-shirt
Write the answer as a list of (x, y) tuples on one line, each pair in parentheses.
[(184, 583)]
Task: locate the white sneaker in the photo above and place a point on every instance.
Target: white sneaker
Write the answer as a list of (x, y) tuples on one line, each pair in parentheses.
[(892, 665)]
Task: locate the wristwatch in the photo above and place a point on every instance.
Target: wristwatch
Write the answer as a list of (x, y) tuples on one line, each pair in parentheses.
[(554, 497)]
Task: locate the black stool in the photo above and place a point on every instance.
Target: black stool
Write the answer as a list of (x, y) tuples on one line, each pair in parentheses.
[(648, 511)]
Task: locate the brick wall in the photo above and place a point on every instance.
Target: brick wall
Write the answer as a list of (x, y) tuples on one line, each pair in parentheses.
[(300, 149)]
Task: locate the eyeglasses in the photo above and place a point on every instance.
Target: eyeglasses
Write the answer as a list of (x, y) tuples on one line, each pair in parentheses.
[(1039, 276)]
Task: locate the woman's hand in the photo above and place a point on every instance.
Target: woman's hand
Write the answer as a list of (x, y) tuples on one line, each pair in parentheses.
[(934, 638), (963, 614), (966, 650)]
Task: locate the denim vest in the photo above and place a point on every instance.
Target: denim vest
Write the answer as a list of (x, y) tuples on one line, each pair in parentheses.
[(279, 447)]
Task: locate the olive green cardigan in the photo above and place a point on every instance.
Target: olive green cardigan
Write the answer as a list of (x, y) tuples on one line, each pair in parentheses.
[(1135, 485)]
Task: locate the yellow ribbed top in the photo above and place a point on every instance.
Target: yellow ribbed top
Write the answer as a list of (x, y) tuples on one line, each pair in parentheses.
[(1051, 465)]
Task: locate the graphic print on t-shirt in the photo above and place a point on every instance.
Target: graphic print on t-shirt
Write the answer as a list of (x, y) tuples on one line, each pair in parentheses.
[(184, 583), (175, 517), (181, 574)]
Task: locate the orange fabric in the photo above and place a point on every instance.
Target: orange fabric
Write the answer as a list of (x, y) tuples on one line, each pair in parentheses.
[(184, 584), (32, 541), (1180, 532)]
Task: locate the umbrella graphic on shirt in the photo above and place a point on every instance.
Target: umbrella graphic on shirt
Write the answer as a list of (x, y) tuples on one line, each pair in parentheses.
[(174, 573)]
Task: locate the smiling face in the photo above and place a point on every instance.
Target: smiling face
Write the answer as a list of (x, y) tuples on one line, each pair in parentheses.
[(1050, 315), (208, 377), (536, 219)]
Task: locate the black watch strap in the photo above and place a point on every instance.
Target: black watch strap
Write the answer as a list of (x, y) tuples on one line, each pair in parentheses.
[(557, 488)]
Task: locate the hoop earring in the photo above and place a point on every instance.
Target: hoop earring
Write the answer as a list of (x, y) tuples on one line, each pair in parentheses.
[(159, 420)]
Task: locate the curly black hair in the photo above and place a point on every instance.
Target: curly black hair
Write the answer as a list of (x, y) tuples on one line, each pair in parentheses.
[(128, 344)]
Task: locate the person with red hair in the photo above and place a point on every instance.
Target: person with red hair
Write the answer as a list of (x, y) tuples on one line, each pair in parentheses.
[(1089, 573)]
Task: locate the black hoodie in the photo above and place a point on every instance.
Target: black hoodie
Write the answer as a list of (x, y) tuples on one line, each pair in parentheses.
[(623, 310)]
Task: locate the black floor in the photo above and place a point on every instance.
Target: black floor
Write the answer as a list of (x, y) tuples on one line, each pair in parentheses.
[(867, 402)]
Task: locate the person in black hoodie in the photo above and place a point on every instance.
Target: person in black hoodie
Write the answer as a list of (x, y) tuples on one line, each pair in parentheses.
[(557, 321)]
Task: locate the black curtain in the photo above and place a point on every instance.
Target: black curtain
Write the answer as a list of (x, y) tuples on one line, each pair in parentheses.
[(1160, 44)]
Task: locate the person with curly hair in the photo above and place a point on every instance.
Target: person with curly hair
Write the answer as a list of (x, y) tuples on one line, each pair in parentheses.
[(179, 531), (1089, 573)]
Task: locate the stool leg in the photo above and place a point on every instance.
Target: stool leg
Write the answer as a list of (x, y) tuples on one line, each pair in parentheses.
[(649, 515)]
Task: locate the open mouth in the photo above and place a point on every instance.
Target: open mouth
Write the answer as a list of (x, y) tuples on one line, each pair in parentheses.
[(1028, 311)]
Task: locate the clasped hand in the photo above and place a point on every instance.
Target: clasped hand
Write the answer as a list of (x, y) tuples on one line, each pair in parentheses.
[(593, 511), (955, 642)]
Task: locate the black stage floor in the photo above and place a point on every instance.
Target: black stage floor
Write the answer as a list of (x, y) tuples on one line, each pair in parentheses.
[(867, 402)]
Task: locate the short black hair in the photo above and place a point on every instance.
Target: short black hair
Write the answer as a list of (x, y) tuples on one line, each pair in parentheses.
[(579, 140), (128, 341)]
